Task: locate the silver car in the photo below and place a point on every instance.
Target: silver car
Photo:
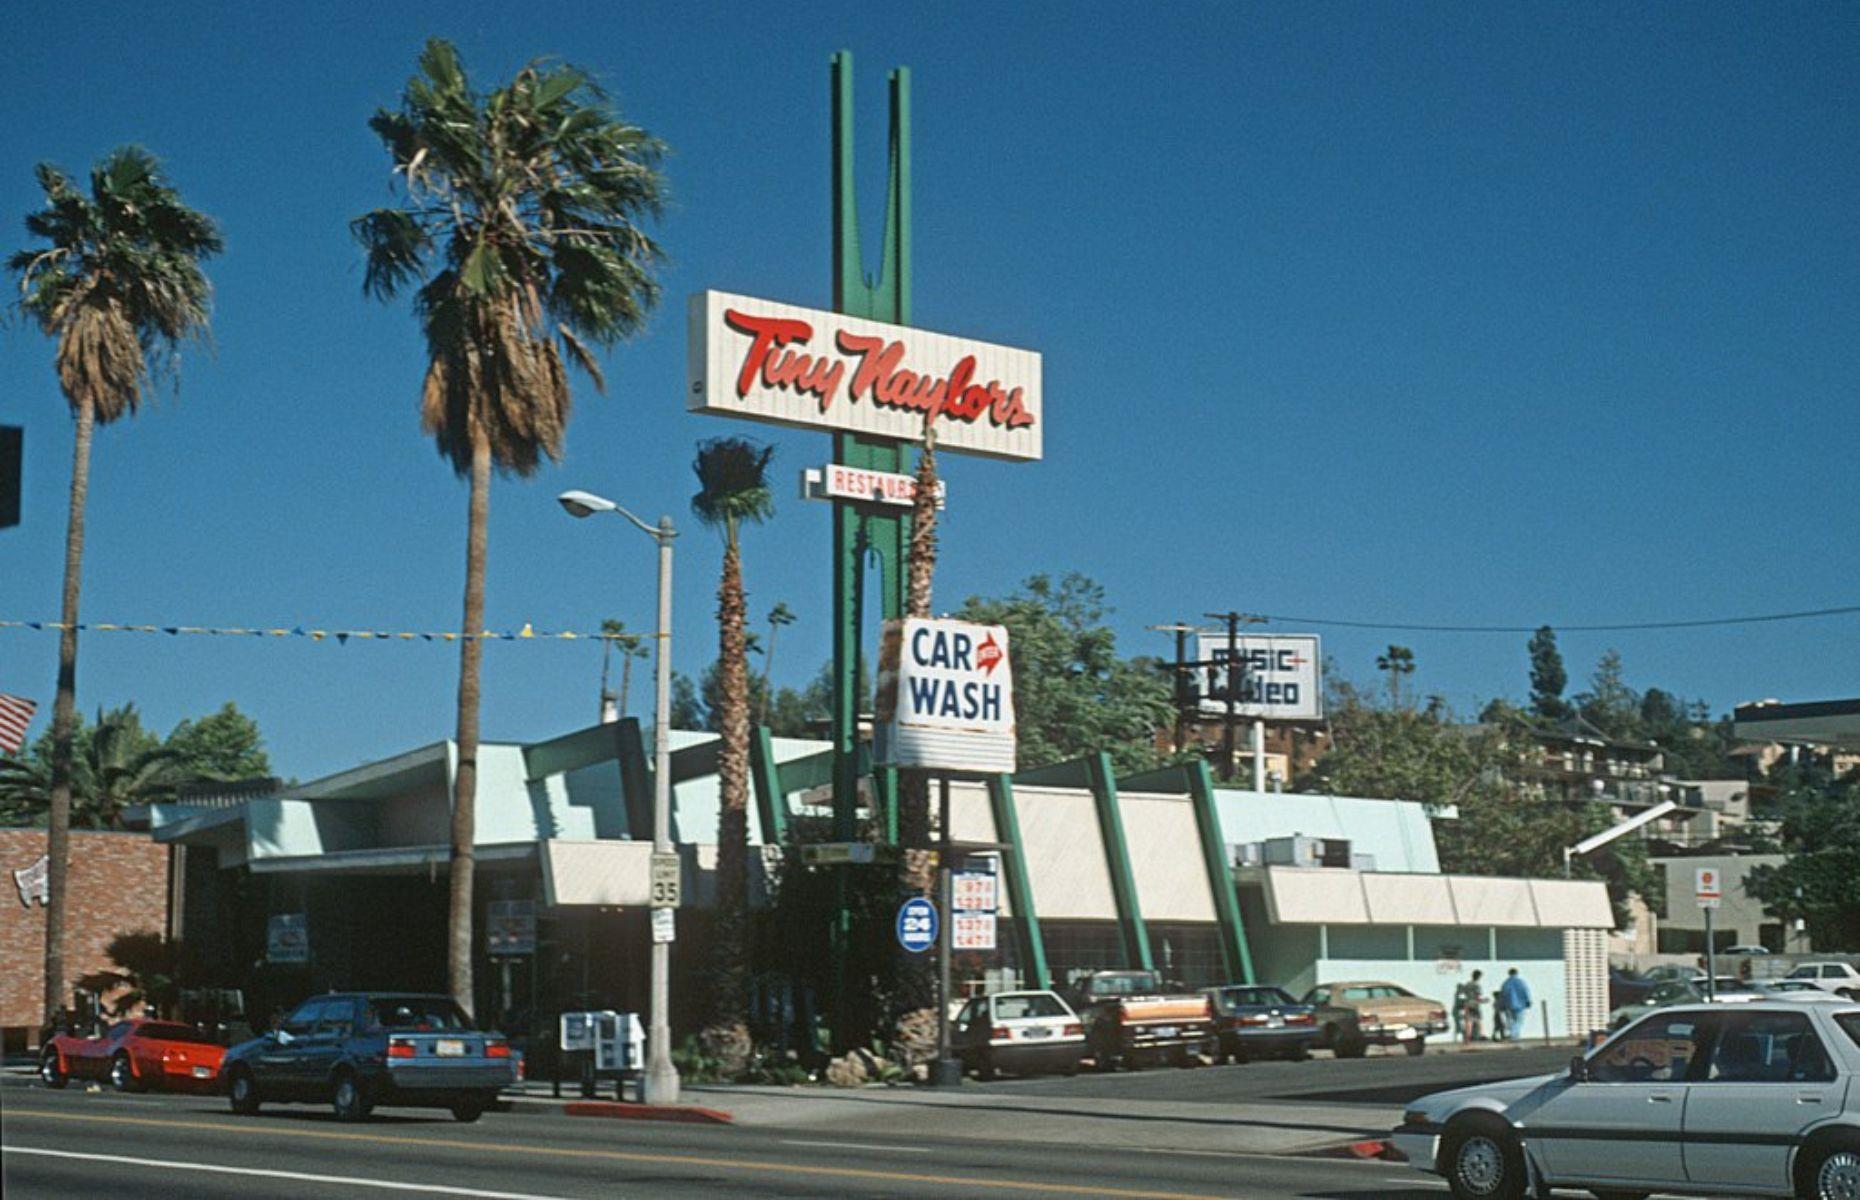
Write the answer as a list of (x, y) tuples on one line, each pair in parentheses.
[(1751, 1099)]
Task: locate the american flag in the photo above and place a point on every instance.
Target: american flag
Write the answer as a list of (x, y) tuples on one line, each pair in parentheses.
[(15, 714)]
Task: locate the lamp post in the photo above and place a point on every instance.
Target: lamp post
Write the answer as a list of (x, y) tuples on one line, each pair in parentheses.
[(661, 1082)]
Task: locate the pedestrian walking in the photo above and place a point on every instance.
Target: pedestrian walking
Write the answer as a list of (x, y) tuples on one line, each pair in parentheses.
[(1467, 1001), (1514, 999)]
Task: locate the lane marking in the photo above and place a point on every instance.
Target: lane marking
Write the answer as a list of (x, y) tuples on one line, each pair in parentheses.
[(858, 1146), (751, 1165), (260, 1172)]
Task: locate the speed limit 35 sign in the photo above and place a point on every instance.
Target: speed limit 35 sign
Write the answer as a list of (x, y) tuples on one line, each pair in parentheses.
[(664, 882)]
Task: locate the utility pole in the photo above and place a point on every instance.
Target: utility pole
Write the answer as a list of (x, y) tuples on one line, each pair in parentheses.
[(1180, 669), (1236, 673)]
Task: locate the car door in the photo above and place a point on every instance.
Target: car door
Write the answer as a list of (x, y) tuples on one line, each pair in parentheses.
[(962, 1034), (1623, 1123), (319, 1053), (278, 1065), (1768, 1077)]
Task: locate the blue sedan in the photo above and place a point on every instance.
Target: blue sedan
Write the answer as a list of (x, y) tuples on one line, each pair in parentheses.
[(354, 1051)]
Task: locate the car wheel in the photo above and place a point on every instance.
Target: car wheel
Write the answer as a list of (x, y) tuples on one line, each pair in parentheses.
[(242, 1091), (123, 1075), (985, 1068), (51, 1072), (1417, 1047), (1830, 1171), (468, 1110), (1351, 1047), (1297, 1054), (1070, 1069), (1482, 1161), (347, 1098)]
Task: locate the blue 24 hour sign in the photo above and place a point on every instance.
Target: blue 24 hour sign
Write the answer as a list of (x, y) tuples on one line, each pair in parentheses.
[(917, 925)]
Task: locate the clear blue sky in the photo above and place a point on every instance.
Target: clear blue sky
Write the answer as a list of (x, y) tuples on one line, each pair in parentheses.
[(1462, 313)]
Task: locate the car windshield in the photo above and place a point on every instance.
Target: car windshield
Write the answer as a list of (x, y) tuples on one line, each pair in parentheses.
[(1255, 995), (1009, 1008), (171, 1032), (417, 1013)]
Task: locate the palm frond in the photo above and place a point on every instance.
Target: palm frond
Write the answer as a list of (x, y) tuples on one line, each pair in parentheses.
[(733, 485)]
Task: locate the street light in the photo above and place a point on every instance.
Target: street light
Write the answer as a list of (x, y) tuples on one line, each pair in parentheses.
[(661, 1082)]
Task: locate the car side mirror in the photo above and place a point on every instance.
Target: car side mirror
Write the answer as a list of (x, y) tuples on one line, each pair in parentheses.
[(1579, 1069)]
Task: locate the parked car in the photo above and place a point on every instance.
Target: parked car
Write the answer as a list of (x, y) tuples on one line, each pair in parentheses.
[(1744, 950), (1760, 1099), (1132, 1018), (1022, 1033), (1675, 991), (357, 1050), (1797, 990), (1625, 987), (1666, 971), (134, 1056), (1843, 979), (1354, 1015), (1261, 1022)]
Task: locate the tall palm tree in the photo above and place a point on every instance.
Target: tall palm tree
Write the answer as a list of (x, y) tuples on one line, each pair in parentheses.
[(733, 491), (914, 1032), (1397, 661), (779, 616), (631, 646), (119, 287), (524, 203)]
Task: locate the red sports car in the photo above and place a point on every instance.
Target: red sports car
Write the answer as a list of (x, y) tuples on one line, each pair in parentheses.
[(134, 1055)]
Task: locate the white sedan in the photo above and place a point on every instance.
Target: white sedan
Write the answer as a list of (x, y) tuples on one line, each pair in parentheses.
[(1755, 1099)]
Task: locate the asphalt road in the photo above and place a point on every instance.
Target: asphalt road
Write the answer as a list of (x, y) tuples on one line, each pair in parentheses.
[(1378, 1079), (73, 1143)]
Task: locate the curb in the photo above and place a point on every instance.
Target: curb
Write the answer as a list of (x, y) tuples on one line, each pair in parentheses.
[(1378, 1149), (623, 1111)]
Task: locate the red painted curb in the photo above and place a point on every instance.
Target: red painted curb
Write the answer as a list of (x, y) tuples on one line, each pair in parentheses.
[(687, 1114), (1380, 1149)]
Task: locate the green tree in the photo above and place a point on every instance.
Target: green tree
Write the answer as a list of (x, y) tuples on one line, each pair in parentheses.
[(225, 746), (688, 708), (1819, 883), (1548, 678), (148, 969), (733, 491), (525, 203), (116, 765), (119, 287), (1073, 693), (1610, 704)]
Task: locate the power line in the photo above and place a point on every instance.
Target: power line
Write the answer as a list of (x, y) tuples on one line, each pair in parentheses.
[(1806, 614)]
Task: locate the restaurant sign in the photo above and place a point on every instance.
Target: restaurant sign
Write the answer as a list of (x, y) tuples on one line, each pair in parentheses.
[(814, 369)]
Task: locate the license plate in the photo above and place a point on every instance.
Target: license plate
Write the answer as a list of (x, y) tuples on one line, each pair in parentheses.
[(449, 1047), (1036, 1033), (1405, 1032), (1275, 1022), (203, 1072), (1166, 1031)]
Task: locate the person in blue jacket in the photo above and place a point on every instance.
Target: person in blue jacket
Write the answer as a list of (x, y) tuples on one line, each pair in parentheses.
[(1514, 997)]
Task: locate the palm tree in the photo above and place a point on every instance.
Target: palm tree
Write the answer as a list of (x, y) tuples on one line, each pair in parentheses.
[(120, 288), (1397, 661), (116, 764), (525, 203), (914, 1031), (733, 492), (631, 646), (779, 616)]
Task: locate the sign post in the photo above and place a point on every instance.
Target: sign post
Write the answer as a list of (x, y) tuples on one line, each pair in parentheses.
[(1708, 887)]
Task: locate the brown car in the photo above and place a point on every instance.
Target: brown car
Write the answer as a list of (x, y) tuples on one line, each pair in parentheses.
[(1355, 1013)]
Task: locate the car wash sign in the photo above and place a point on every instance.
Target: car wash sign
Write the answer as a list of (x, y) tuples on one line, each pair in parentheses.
[(945, 697), (821, 370), (1273, 677)]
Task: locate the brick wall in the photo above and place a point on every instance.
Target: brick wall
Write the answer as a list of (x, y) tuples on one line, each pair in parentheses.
[(118, 884)]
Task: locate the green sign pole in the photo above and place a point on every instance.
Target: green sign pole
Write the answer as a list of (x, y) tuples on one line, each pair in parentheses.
[(859, 533)]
